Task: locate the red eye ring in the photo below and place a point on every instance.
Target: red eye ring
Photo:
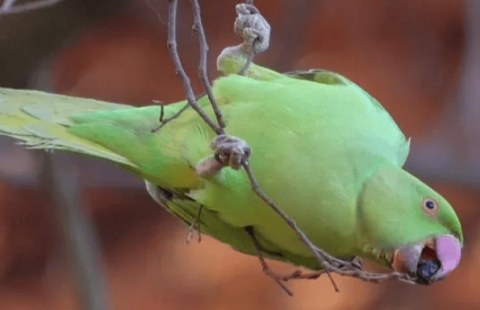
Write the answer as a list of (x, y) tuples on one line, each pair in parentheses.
[(430, 206)]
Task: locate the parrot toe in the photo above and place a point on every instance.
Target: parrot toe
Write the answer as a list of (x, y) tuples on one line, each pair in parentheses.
[(253, 28), (230, 150)]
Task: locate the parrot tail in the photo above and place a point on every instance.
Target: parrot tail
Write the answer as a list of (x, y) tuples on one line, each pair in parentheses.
[(41, 120)]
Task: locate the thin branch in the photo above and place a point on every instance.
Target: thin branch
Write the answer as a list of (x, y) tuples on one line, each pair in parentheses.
[(202, 69), (162, 110), (172, 46), (353, 273), (266, 269), (164, 121), (9, 7), (323, 258)]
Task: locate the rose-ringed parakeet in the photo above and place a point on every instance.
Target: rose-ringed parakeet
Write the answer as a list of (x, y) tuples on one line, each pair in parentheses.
[(322, 148)]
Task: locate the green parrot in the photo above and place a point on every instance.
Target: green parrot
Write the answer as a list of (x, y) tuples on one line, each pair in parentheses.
[(322, 148)]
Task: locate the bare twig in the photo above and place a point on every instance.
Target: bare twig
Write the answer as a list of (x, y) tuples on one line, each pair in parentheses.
[(323, 258), (353, 273), (162, 110), (172, 46), (202, 69), (165, 121), (9, 7), (266, 269)]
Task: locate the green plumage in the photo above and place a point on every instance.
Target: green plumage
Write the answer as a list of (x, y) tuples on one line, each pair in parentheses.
[(320, 146)]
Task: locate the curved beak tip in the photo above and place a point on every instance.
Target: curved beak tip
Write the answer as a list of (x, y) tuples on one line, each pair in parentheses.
[(449, 252)]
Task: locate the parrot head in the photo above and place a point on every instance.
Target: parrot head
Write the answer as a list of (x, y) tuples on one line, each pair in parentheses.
[(407, 226)]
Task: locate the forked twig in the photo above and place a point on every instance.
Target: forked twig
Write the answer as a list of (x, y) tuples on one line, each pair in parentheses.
[(163, 121), (324, 259), (172, 46)]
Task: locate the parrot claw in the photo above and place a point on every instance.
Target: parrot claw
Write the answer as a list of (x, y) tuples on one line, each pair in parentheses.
[(253, 28), (255, 31), (229, 151)]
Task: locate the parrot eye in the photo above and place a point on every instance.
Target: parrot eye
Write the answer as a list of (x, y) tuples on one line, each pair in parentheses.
[(430, 206)]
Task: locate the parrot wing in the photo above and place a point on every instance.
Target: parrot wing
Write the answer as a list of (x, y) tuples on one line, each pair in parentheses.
[(55, 122), (400, 144)]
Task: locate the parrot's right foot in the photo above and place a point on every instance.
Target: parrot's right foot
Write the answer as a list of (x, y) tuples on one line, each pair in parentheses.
[(228, 151), (255, 31), (253, 28)]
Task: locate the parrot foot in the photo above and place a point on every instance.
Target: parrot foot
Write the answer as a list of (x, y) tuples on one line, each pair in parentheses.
[(228, 151), (253, 28), (255, 31), (195, 226)]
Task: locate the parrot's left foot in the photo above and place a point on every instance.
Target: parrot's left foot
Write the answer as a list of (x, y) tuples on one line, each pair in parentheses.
[(228, 151)]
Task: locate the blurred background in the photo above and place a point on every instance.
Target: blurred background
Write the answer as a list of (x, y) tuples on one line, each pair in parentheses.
[(419, 58)]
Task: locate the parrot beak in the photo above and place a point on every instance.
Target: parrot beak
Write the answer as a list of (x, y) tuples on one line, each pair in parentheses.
[(428, 261)]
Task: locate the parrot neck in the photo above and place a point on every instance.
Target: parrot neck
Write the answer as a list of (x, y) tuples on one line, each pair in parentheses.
[(377, 208)]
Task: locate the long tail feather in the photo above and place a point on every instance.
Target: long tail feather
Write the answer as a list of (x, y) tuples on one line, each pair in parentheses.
[(41, 120)]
